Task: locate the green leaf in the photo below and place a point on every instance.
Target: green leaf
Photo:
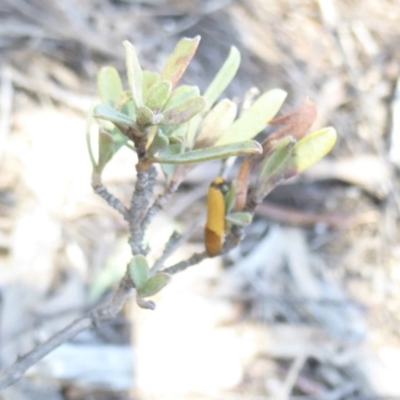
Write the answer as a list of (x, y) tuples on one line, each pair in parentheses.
[(180, 95), (239, 218), (119, 139), (158, 95), (223, 77), (144, 116), (273, 169), (134, 73), (109, 85), (106, 125), (126, 105), (170, 151), (139, 271), (184, 111), (103, 111), (230, 197), (106, 150), (149, 79), (274, 163), (179, 59), (289, 158), (192, 129), (218, 120), (211, 153), (254, 120), (154, 285), (313, 147), (151, 134), (159, 142), (124, 97), (179, 130)]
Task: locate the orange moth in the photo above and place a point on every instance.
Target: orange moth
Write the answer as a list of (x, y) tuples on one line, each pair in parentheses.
[(215, 225)]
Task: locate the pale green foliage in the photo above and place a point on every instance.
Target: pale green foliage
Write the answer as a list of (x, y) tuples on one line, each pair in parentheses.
[(289, 158), (145, 284), (239, 218), (254, 120), (176, 125), (181, 113)]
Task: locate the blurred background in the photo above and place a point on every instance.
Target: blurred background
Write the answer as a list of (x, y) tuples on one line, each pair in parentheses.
[(307, 308)]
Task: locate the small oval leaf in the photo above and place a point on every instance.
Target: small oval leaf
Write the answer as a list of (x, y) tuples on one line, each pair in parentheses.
[(239, 218), (184, 111), (313, 147), (179, 59), (180, 95), (211, 153), (109, 85), (278, 157), (126, 105), (106, 150), (215, 122), (154, 285), (159, 142), (144, 116), (134, 73), (158, 95), (273, 168), (103, 111), (289, 158), (230, 197), (177, 131), (139, 271), (223, 77), (149, 79), (255, 119), (119, 139)]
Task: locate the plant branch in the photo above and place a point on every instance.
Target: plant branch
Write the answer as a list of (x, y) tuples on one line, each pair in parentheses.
[(111, 200), (175, 241), (15, 372), (160, 203), (182, 265), (100, 314), (234, 237), (107, 310)]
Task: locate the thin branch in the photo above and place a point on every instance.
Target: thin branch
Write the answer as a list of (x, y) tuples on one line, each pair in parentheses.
[(234, 237), (16, 371), (182, 265), (103, 313), (160, 203), (111, 200), (175, 241)]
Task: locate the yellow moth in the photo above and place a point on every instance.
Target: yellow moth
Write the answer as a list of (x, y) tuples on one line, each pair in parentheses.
[(215, 225)]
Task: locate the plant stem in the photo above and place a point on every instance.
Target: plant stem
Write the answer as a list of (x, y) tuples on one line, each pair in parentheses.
[(160, 203), (111, 200), (141, 198)]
